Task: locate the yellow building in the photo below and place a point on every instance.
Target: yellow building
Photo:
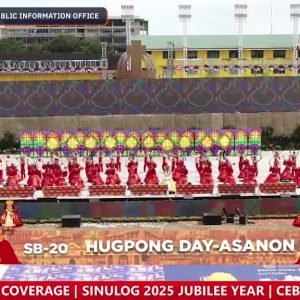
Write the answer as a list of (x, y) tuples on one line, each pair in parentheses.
[(217, 55)]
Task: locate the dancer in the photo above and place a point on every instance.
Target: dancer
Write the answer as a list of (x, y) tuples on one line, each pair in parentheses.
[(34, 177), (229, 179), (132, 167), (287, 174), (244, 168), (151, 176), (294, 156), (13, 178), (1, 171), (169, 181), (146, 160), (118, 161), (206, 173), (74, 173), (112, 177), (297, 177), (274, 176)]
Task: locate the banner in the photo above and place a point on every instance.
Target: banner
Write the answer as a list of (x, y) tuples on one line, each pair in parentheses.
[(150, 290)]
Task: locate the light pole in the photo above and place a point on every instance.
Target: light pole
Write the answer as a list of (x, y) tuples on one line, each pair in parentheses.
[(240, 15), (128, 18), (185, 16), (295, 16)]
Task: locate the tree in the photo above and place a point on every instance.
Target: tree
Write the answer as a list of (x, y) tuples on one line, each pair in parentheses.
[(65, 44), (8, 46), (9, 141)]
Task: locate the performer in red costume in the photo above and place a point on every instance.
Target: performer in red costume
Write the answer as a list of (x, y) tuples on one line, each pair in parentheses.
[(244, 168), (48, 178), (34, 179), (206, 173), (7, 253), (255, 161), (59, 174), (297, 176), (151, 176), (274, 176), (10, 217), (250, 176), (13, 178), (93, 175), (1, 171), (112, 176), (183, 175), (23, 167), (242, 158), (111, 164), (294, 156), (118, 161), (100, 161), (287, 174), (74, 174), (132, 167), (222, 169), (229, 179), (178, 169)]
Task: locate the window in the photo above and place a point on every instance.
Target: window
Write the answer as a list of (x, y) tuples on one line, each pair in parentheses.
[(213, 54), (192, 54), (149, 52), (279, 54), (233, 54), (257, 54), (165, 55)]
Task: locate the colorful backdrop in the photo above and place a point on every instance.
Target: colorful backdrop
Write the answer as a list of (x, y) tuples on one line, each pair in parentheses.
[(41, 143)]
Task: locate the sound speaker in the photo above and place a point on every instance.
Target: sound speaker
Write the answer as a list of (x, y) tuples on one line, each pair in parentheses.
[(211, 219), (71, 221), (230, 219), (243, 220)]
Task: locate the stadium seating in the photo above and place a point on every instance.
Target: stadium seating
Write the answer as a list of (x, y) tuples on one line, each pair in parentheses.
[(114, 190), (274, 188), (16, 192), (236, 189), (194, 189), (61, 191), (156, 190)]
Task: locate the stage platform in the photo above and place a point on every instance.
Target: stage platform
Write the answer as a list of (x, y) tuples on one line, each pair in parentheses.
[(149, 273)]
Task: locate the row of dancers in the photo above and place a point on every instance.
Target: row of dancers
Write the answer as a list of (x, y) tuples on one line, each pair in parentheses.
[(54, 173)]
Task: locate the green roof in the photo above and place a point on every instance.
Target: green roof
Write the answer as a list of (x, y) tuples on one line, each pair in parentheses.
[(159, 42)]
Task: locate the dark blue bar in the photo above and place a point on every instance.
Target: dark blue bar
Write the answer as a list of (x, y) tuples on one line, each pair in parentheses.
[(53, 16)]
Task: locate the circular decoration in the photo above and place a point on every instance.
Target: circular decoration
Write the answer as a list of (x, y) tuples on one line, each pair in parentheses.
[(167, 145), (52, 143), (224, 141), (149, 142), (91, 143), (72, 143), (185, 142), (131, 142), (207, 142), (110, 143)]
